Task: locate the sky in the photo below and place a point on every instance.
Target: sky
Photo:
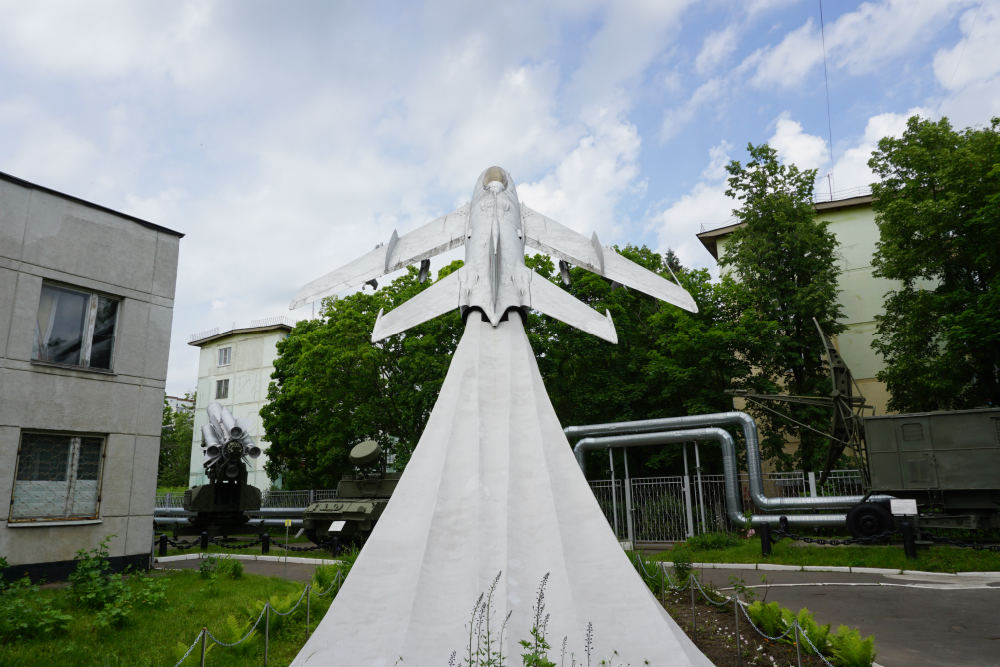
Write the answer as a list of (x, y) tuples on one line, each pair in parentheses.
[(287, 138)]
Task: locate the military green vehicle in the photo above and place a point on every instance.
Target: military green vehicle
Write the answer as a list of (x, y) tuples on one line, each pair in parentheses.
[(361, 498)]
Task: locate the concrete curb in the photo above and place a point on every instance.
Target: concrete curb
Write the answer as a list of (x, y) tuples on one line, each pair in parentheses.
[(827, 568), (271, 559)]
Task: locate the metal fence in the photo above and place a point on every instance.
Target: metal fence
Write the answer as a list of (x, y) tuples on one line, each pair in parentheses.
[(661, 509), (668, 509)]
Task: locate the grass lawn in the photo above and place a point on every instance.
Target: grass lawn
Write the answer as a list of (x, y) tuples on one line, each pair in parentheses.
[(159, 636), (935, 558)]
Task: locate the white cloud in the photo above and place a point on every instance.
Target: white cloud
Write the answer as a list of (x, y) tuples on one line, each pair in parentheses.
[(795, 146), (851, 174), (970, 70), (675, 119), (47, 148), (585, 188), (786, 64), (716, 48)]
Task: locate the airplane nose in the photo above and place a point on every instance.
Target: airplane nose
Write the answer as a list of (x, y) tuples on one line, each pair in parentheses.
[(494, 175)]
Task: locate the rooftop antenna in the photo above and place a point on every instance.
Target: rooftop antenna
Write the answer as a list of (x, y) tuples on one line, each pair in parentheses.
[(826, 83)]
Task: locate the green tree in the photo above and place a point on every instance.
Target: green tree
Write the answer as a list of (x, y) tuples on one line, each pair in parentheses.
[(332, 388), (937, 205), (667, 362), (784, 260), (176, 436)]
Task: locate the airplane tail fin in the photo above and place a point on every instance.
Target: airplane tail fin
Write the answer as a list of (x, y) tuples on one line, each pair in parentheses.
[(439, 298), (555, 302)]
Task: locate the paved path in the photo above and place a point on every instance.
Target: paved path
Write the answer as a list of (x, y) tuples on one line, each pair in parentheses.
[(918, 619)]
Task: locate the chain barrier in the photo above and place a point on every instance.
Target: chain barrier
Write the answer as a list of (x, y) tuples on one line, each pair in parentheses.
[(314, 547), (815, 651), (235, 544), (243, 638), (704, 594), (182, 544), (937, 539), (191, 648), (306, 594), (743, 607), (778, 533)]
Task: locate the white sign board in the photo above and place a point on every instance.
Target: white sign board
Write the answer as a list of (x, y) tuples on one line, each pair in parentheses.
[(903, 507), (336, 526)]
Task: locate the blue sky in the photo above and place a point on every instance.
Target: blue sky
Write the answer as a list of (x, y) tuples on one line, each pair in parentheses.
[(284, 139)]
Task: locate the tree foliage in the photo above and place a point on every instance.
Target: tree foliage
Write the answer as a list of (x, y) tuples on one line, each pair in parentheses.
[(784, 260), (332, 388), (937, 205), (176, 436)]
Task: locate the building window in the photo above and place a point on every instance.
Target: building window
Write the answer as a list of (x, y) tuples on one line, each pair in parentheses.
[(222, 388), (75, 328), (58, 477), (225, 356)]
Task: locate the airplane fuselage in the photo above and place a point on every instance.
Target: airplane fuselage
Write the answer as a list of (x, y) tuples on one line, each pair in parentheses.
[(494, 249)]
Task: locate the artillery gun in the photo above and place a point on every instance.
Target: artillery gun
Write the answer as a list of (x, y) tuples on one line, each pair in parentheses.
[(221, 505), (361, 497)]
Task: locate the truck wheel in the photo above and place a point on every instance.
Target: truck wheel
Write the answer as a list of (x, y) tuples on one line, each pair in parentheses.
[(868, 519)]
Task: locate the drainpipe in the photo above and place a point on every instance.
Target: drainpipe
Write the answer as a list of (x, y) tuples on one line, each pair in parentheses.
[(746, 423), (734, 506)]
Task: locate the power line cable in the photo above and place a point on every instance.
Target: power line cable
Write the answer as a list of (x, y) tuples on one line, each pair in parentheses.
[(826, 83)]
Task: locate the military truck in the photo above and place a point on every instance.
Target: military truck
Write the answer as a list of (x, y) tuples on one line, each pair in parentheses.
[(948, 461), (361, 497)]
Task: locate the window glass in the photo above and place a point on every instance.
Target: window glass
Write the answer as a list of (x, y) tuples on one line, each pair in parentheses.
[(222, 388), (59, 328), (225, 355), (103, 341), (74, 327), (57, 477)]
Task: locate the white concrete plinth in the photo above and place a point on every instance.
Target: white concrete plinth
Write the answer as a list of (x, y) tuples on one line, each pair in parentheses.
[(493, 487)]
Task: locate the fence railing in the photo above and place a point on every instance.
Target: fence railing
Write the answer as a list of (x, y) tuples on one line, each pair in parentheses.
[(664, 509)]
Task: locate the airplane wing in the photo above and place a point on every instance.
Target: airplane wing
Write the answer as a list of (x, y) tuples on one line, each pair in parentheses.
[(437, 299), (431, 239), (551, 237), (556, 302)]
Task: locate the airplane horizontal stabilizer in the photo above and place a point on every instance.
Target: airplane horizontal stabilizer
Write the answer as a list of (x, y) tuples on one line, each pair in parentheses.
[(437, 299), (555, 302), (433, 238), (555, 239)]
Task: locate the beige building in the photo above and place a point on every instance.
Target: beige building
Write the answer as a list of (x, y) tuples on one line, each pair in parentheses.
[(86, 304), (852, 222), (235, 369)]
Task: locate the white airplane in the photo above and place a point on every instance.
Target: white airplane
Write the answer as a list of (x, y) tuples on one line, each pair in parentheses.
[(494, 227)]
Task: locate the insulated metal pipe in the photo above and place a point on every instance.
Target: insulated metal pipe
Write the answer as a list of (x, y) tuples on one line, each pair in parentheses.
[(734, 505), (755, 474)]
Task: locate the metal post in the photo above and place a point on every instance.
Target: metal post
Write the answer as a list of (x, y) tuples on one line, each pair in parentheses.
[(204, 541), (204, 631), (694, 619), (287, 524), (798, 649), (909, 543), (163, 544), (614, 494), (736, 614), (267, 630), (812, 484), (628, 502), (308, 593), (689, 515), (765, 539), (265, 543), (701, 490)]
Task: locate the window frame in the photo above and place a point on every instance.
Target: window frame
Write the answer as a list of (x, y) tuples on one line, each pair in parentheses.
[(72, 478), (228, 349), (223, 382), (87, 330)]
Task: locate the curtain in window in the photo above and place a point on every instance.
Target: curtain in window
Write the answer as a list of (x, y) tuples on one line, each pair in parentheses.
[(59, 325)]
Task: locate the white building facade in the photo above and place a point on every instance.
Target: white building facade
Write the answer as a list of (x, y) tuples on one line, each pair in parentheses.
[(234, 369), (86, 305)]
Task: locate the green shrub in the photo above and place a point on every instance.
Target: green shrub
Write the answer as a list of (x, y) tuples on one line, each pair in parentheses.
[(24, 615), (848, 649), (682, 565), (817, 634), (768, 617), (230, 567), (712, 541)]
